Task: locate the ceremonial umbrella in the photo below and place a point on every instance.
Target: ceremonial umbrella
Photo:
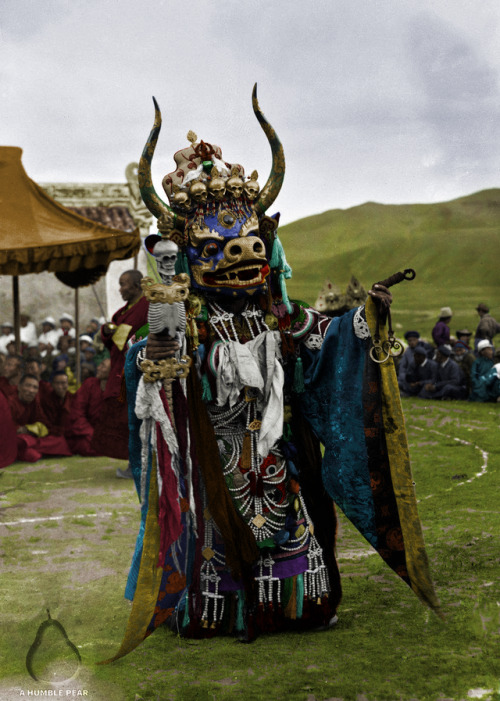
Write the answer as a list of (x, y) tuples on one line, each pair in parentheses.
[(37, 234)]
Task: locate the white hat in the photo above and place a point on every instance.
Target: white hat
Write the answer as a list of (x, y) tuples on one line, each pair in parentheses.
[(66, 317), (445, 311), (49, 320), (33, 344), (484, 344), (7, 323), (84, 337)]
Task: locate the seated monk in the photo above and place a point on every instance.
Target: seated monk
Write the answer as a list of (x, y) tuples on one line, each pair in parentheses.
[(8, 439), (11, 374), (86, 410), (33, 436), (34, 366), (56, 403)]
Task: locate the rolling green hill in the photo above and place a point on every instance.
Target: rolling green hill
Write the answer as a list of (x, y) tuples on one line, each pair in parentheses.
[(453, 246)]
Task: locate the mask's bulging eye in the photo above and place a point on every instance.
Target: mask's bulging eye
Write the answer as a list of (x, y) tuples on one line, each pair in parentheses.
[(211, 249)]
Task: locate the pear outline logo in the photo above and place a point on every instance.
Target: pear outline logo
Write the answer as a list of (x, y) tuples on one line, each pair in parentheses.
[(31, 656)]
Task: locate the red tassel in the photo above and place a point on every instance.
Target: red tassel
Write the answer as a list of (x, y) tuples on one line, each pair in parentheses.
[(251, 633), (259, 617), (270, 624), (326, 608), (279, 618)]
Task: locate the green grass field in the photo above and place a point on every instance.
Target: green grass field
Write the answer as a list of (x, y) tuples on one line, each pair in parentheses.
[(69, 528), (450, 245)]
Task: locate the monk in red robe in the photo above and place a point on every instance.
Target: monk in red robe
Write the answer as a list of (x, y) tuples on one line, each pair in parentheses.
[(11, 374), (86, 411), (33, 436), (111, 433), (56, 403), (8, 437)]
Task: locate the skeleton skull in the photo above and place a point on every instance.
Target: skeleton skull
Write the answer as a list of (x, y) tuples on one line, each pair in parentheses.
[(235, 186), (251, 188), (217, 188), (165, 253), (198, 192), (182, 200)]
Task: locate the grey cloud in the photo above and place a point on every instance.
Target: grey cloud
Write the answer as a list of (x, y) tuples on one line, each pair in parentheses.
[(353, 94), (461, 97)]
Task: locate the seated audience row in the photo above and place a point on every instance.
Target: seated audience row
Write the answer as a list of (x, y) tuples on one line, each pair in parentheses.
[(449, 372), (43, 418), (48, 342)]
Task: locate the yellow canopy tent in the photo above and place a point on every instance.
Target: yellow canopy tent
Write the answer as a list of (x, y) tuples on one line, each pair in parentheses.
[(37, 234)]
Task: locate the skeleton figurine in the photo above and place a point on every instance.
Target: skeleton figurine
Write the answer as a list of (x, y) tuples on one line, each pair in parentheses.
[(167, 318)]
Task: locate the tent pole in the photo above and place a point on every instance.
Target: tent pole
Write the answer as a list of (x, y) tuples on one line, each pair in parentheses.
[(77, 337), (17, 316)]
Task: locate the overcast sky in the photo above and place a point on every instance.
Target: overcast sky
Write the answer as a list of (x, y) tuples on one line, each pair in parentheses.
[(383, 100)]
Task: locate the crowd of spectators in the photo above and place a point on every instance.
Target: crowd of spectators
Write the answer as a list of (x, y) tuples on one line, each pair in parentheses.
[(43, 411), (54, 348), (452, 367), (44, 408)]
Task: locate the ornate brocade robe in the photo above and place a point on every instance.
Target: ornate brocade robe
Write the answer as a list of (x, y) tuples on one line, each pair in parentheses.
[(242, 526)]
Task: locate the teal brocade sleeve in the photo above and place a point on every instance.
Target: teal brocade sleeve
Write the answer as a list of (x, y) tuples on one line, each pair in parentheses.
[(333, 405)]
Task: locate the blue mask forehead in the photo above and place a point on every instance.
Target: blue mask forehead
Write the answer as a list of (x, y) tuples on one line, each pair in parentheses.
[(230, 227)]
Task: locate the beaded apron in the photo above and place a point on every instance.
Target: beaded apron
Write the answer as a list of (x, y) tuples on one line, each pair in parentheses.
[(265, 495)]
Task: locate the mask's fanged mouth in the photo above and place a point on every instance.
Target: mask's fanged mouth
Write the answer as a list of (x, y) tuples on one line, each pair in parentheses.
[(244, 276)]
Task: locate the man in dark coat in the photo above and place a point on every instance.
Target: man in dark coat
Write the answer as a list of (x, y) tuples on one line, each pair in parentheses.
[(463, 355), (464, 336), (449, 382), (487, 327), (407, 363), (422, 372), (441, 331)]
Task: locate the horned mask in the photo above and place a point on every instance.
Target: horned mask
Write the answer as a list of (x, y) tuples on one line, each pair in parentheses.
[(215, 214)]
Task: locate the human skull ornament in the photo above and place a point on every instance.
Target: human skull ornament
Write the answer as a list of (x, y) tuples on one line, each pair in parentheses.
[(198, 192), (182, 200), (216, 186), (252, 188), (235, 186), (165, 253)]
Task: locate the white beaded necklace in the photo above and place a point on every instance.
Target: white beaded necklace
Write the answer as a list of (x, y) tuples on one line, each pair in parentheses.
[(220, 316)]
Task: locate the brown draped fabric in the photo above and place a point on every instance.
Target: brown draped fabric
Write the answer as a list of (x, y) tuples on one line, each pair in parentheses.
[(37, 233)]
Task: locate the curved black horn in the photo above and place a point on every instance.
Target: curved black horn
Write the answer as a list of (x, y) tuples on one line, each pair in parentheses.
[(271, 189), (148, 193)]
